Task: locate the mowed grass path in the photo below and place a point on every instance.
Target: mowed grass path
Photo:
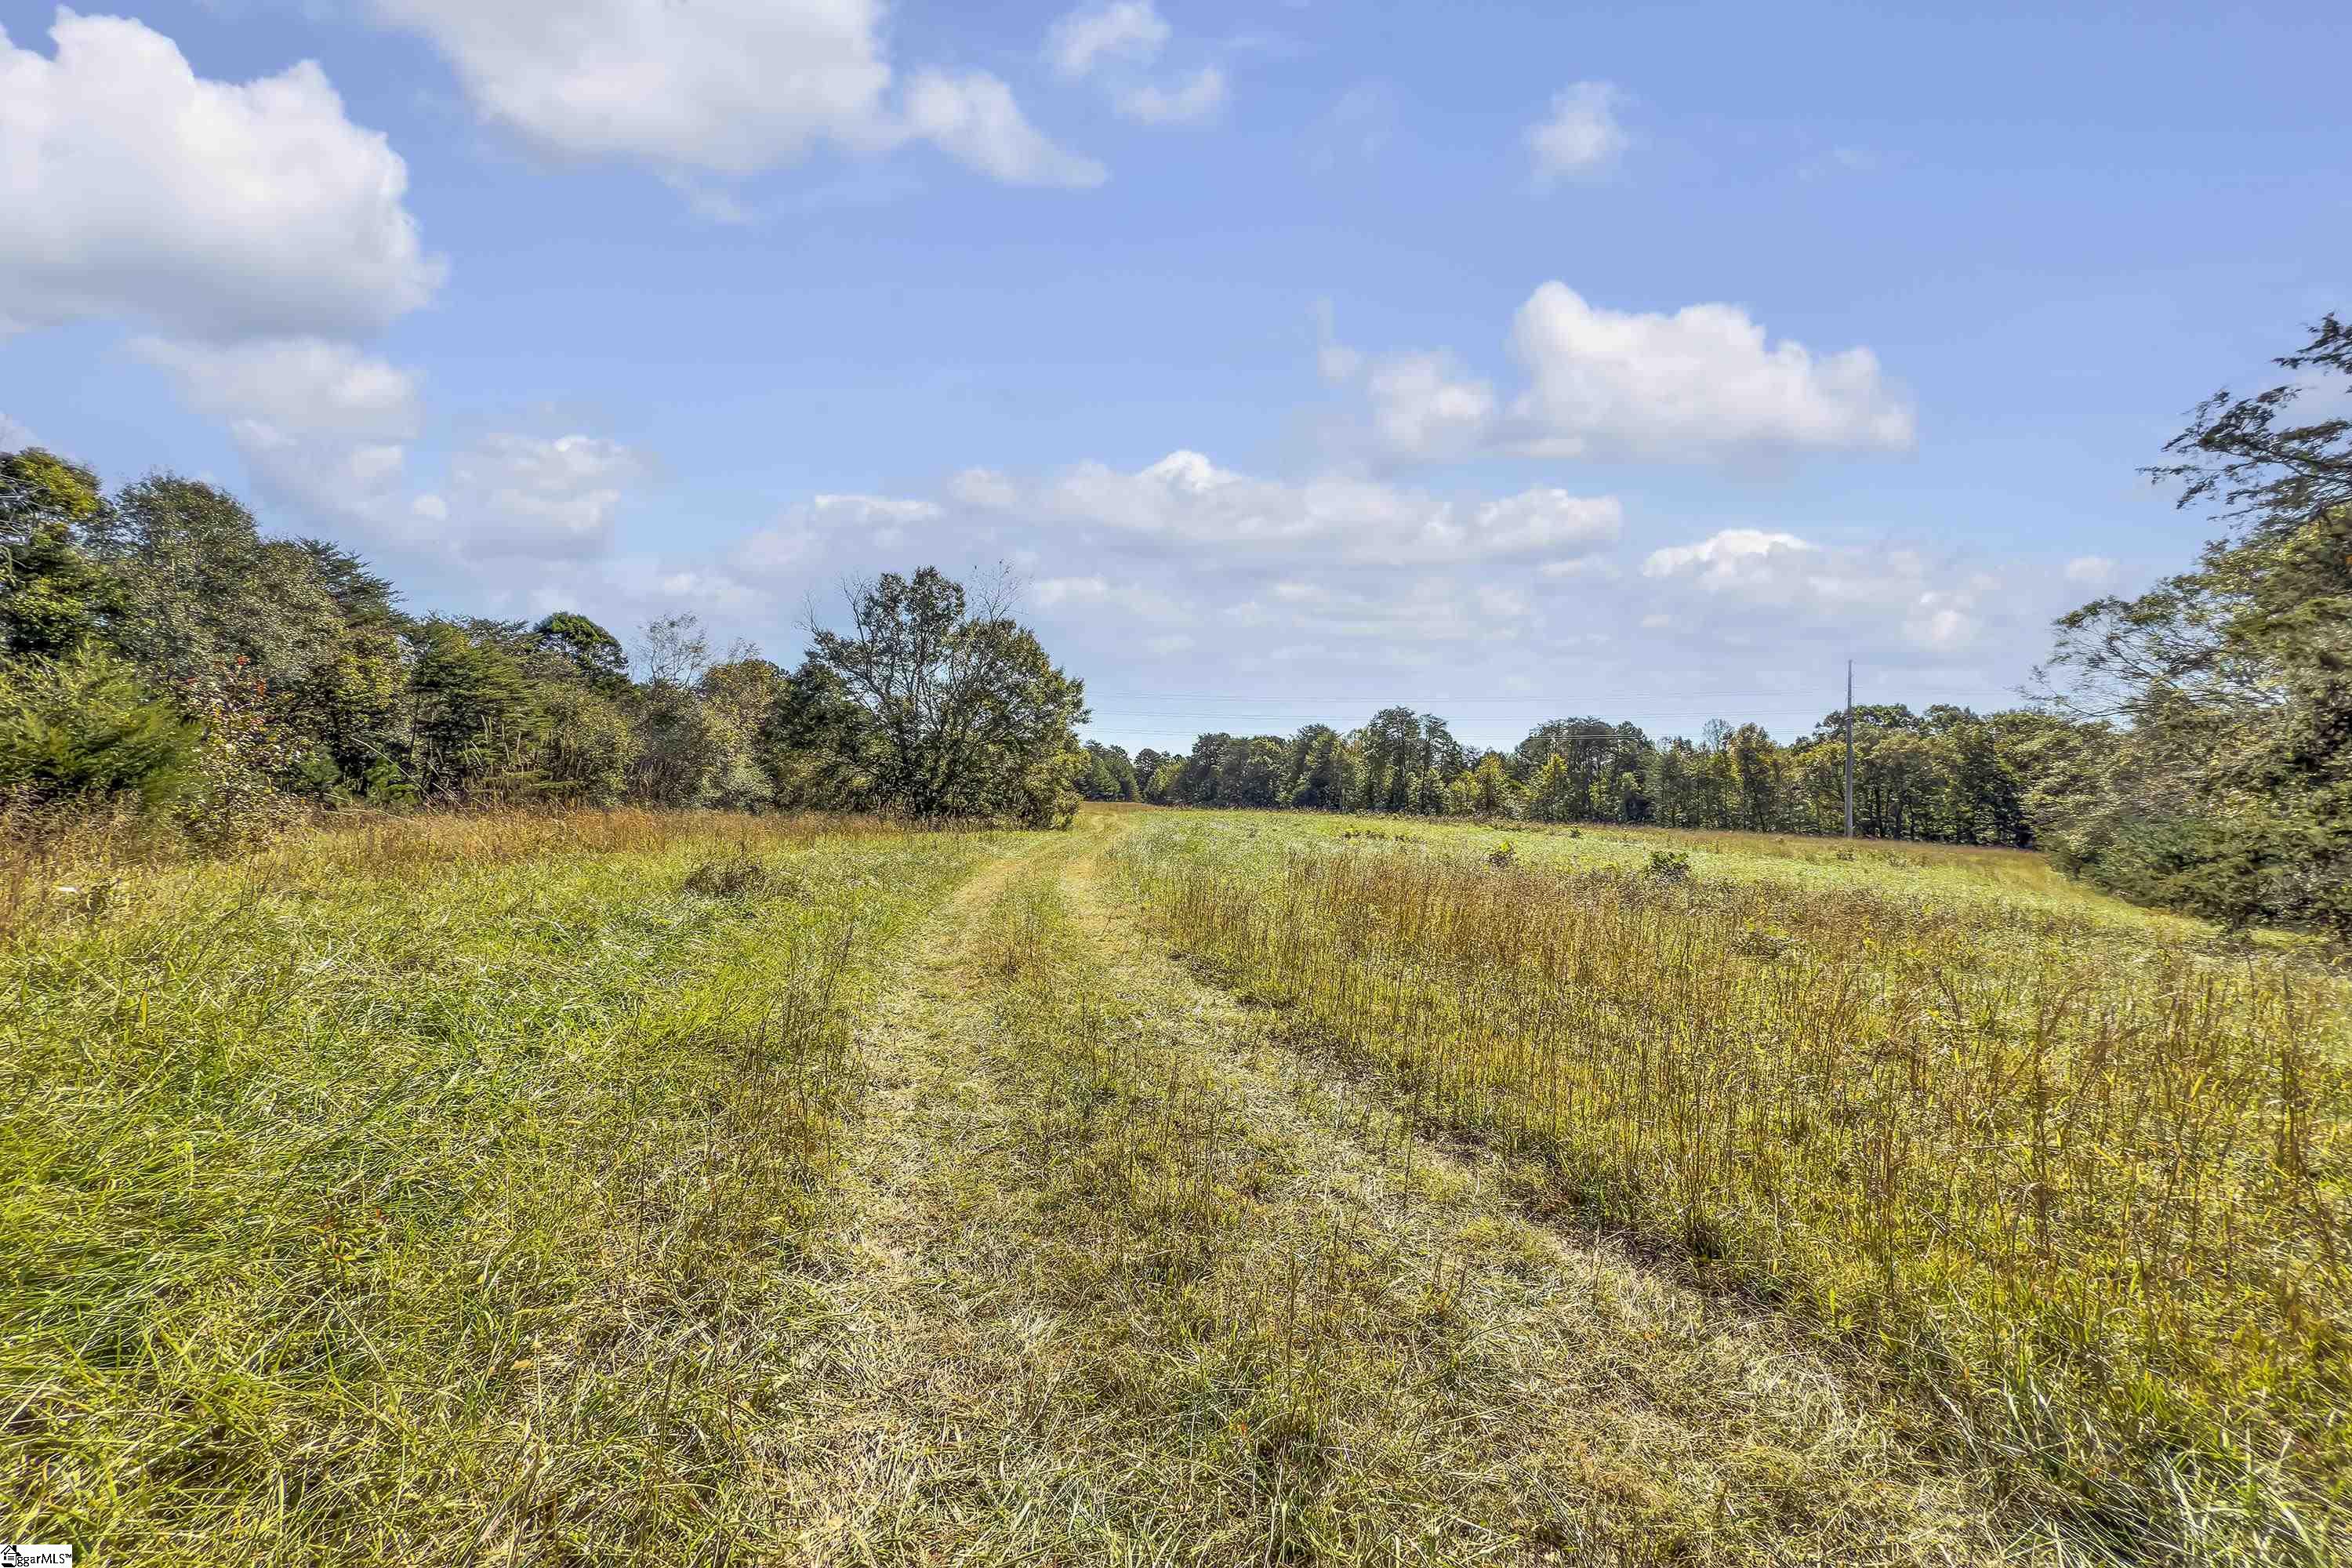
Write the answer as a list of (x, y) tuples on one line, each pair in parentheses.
[(1119, 1279), (712, 1191)]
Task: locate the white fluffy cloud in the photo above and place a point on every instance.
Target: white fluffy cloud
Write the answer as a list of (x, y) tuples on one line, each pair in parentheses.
[(730, 87), (1703, 380), (15, 436), (2091, 571), (1579, 135), (1803, 587), (1725, 558), (1702, 384), (1127, 30), (1186, 500), (1424, 406), (134, 187)]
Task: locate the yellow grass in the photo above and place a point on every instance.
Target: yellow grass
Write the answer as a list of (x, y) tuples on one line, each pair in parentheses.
[(2078, 1182)]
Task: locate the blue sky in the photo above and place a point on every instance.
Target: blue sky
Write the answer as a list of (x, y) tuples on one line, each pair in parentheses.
[(1507, 362)]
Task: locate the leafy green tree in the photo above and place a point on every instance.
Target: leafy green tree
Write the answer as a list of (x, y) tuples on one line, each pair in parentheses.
[(294, 636), (814, 745), (472, 713), (687, 742), (1552, 795), (1249, 771), (53, 597), (740, 695), (1488, 789), (968, 717), (585, 744), (2212, 764), (1108, 775), (348, 708), (1321, 770), (583, 649)]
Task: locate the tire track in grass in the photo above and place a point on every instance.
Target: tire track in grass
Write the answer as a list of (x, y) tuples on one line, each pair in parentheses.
[(1584, 1403), (1127, 1282)]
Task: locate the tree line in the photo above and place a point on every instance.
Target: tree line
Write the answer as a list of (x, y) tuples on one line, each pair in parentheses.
[(1947, 774), (159, 654)]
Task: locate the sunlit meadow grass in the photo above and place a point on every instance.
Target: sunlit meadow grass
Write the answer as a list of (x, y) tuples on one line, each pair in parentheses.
[(2072, 1179), (428, 1190)]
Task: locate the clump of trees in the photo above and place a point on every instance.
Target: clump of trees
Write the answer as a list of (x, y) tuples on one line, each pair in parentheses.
[(159, 654), (1948, 775)]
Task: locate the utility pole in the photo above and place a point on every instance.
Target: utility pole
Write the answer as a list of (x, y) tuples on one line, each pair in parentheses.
[(1849, 748)]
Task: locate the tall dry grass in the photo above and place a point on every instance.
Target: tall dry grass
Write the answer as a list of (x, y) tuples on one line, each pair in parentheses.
[(2083, 1188)]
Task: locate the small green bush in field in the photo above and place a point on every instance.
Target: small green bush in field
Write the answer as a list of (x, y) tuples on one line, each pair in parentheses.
[(1669, 865), (80, 726)]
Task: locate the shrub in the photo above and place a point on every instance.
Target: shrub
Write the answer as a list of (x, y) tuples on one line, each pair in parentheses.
[(1669, 865), (81, 727), (742, 875)]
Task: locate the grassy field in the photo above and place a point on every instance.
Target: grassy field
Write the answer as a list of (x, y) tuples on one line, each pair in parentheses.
[(2075, 1174), (1190, 1187)]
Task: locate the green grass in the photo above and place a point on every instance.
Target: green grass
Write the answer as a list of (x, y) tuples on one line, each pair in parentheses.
[(431, 1191), (2076, 1182), (2012, 880), (626, 1185)]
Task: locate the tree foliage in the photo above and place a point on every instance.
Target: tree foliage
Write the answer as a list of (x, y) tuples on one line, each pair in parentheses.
[(963, 715), (1947, 774), (156, 647), (2209, 764), (79, 728)]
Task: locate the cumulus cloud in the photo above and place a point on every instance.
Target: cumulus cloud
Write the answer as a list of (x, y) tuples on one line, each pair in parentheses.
[(134, 187), (1725, 558), (2091, 571), (15, 435), (1704, 384), (1705, 379), (1128, 30), (729, 87), (1578, 136), (1802, 586), (1426, 406)]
